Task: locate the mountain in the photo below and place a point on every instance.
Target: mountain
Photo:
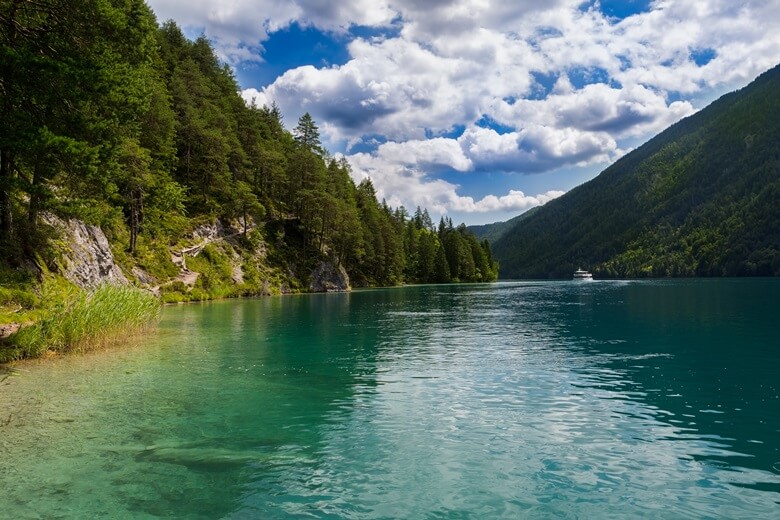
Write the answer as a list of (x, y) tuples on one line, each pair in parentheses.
[(492, 232), (700, 199)]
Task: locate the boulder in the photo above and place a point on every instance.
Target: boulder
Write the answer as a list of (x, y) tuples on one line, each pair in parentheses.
[(329, 277), (8, 329)]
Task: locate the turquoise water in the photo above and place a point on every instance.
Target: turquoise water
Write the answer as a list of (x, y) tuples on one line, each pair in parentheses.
[(512, 400)]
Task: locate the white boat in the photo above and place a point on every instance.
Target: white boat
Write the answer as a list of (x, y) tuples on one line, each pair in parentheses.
[(579, 274)]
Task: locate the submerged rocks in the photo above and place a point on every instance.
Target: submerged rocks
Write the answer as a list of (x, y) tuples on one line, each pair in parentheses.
[(329, 277)]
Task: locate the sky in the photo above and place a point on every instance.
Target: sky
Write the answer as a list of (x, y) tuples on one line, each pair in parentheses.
[(483, 109)]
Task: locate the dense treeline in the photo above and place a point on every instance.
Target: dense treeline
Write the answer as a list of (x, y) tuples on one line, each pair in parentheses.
[(112, 119), (700, 199)]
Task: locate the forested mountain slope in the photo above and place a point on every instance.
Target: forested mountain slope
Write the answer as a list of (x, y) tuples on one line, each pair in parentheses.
[(700, 199), (113, 120), (494, 231)]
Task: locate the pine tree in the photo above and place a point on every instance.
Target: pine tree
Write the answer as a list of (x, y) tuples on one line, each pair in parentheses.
[(441, 273), (307, 134), (149, 125)]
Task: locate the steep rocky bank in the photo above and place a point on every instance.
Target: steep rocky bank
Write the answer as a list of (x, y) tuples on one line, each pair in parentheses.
[(214, 260), (213, 253), (84, 255)]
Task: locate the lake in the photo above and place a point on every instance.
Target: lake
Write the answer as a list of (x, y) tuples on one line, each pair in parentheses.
[(566, 399)]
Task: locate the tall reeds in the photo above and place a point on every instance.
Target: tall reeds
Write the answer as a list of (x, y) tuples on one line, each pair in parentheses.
[(75, 319)]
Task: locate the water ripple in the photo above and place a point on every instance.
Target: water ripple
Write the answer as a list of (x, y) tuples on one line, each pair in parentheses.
[(517, 400)]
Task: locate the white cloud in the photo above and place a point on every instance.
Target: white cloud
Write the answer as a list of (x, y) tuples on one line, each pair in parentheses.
[(567, 84), (430, 153), (236, 31), (402, 184), (617, 111), (536, 148), (238, 27), (252, 96), (515, 200), (255, 18)]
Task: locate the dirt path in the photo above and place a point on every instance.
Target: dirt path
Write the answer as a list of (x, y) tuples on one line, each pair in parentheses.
[(179, 258)]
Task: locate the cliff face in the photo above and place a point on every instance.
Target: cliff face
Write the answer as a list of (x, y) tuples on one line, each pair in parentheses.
[(85, 255), (328, 277), (84, 258)]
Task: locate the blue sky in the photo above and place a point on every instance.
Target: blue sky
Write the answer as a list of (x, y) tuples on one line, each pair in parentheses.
[(482, 109)]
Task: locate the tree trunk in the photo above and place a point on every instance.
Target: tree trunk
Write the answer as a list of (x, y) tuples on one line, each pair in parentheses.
[(136, 215), (133, 228), (6, 180), (35, 197)]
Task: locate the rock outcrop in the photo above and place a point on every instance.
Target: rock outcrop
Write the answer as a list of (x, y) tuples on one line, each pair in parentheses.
[(329, 277), (7, 329), (86, 258)]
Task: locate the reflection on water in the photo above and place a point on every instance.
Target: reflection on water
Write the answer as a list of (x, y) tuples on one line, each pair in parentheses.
[(553, 399)]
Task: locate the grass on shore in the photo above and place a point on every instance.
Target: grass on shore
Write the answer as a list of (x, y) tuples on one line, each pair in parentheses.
[(74, 319)]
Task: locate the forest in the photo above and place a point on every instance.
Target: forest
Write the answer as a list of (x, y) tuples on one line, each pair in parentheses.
[(699, 199), (118, 121)]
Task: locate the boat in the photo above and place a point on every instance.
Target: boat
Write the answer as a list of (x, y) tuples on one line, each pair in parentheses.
[(579, 274)]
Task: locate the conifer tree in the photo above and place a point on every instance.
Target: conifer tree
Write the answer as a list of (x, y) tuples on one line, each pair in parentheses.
[(145, 135), (307, 135)]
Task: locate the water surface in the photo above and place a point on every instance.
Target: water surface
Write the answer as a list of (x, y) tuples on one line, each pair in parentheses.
[(511, 400)]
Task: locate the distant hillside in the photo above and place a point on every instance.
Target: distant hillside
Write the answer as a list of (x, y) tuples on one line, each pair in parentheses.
[(492, 232), (700, 199)]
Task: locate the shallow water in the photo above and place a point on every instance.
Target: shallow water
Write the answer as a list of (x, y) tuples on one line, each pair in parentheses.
[(532, 400)]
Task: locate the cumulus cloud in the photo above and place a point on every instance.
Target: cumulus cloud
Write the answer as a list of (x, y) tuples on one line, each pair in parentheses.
[(564, 83), (453, 73), (395, 88), (252, 96), (237, 34), (535, 148), (238, 27), (515, 200), (402, 184), (431, 153), (617, 111)]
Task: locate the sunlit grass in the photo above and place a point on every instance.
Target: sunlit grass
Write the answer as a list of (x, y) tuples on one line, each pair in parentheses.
[(75, 319)]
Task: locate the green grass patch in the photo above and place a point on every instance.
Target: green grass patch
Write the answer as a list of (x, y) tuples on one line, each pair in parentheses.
[(16, 305), (155, 259), (74, 319), (18, 298), (215, 280)]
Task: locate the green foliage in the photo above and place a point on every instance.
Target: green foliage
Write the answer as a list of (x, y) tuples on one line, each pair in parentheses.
[(307, 135), (19, 300), (700, 199), (75, 319), (17, 297), (492, 232), (215, 274), (175, 292), (154, 257), (112, 119)]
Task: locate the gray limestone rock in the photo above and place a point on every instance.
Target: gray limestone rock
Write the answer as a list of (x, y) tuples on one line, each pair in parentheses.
[(86, 258), (328, 277)]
